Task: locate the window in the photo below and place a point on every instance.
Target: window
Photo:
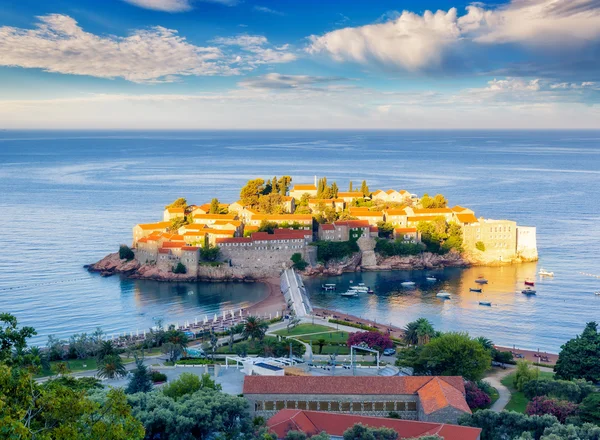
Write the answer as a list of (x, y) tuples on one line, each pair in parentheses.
[(269, 406), (302, 405), (411, 406), (258, 406), (313, 406), (323, 406), (400, 406), (345, 406), (335, 406), (356, 406), (378, 406), (290, 404), (389, 406)]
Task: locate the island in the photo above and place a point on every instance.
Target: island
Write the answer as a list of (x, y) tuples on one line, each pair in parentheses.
[(318, 230)]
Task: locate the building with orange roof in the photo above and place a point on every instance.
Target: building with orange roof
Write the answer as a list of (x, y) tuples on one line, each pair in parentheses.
[(343, 230), (424, 398), (298, 191), (334, 424), (373, 217), (396, 217), (145, 229), (391, 195), (236, 207), (350, 196), (306, 220), (407, 235), (170, 214), (209, 219)]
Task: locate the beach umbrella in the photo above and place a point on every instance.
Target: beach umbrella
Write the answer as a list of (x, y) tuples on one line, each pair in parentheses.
[(215, 318), (232, 314), (277, 314), (144, 334), (196, 321), (241, 313), (270, 316), (137, 332), (224, 317), (205, 319)]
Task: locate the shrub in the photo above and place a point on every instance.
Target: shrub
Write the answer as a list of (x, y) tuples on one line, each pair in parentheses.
[(590, 409), (179, 268), (561, 409), (298, 261), (157, 376), (524, 374), (480, 246), (573, 391), (353, 324), (389, 248), (476, 397), (329, 250), (210, 253), (374, 340), (125, 253)]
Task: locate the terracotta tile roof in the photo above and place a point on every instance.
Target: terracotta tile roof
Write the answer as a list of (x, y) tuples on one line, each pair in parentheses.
[(368, 214), (466, 218), (235, 223), (403, 192), (287, 198), (193, 227), (423, 218), (154, 226), (234, 240), (458, 208), (143, 240), (172, 245), (327, 227), (215, 216), (428, 211), (352, 224), (304, 188), (283, 217), (189, 248), (250, 228), (195, 234), (163, 251), (342, 385), (226, 232), (314, 422), (373, 229), (379, 191), (405, 230), (338, 200), (355, 194), (298, 232), (390, 191), (354, 209), (317, 201), (176, 210), (395, 212), (438, 394)]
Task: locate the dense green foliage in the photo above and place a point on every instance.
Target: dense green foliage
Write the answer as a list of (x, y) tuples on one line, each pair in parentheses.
[(266, 196), (178, 203), (589, 409), (353, 324), (579, 358), (388, 248), (266, 226), (255, 328), (179, 268), (573, 391), (480, 246), (524, 374), (419, 332), (141, 380), (362, 432), (440, 236), (189, 383), (125, 253), (438, 201), (507, 424), (209, 252), (298, 261), (334, 250), (386, 229), (450, 354)]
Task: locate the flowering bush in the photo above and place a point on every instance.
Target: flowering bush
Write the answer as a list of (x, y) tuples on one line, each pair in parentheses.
[(476, 397), (561, 409), (374, 340)]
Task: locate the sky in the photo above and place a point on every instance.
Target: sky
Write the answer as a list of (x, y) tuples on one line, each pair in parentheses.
[(306, 64)]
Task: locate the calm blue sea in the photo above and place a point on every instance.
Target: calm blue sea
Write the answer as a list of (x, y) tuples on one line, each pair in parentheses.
[(69, 198)]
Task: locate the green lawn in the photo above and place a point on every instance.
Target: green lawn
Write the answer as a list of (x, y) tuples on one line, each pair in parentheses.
[(252, 347), (331, 349), (332, 337), (75, 365), (304, 329), (518, 402)]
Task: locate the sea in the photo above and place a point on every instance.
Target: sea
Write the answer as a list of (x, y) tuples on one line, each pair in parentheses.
[(68, 198)]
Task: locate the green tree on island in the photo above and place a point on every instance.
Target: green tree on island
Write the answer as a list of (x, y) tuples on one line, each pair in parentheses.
[(438, 201), (178, 203), (125, 253), (579, 358), (250, 193), (215, 207), (364, 188)]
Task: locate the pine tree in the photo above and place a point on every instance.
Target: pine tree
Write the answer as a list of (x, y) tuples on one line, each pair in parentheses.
[(364, 188), (214, 206), (274, 186), (334, 190), (141, 381), (350, 187)]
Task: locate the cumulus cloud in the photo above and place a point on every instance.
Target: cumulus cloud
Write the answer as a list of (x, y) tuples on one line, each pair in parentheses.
[(163, 5), (278, 81), (417, 42), (59, 44), (258, 49), (410, 41)]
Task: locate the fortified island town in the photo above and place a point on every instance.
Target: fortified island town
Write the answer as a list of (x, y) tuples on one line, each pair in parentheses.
[(317, 229)]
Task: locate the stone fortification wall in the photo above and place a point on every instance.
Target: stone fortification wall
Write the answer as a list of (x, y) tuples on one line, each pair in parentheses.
[(251, 258)]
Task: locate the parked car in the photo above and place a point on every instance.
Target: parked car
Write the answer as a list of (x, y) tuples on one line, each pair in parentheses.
[(389, 352), (190, 334)]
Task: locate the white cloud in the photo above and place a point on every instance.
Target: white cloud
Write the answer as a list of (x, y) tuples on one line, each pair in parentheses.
[(416, 42), (157, 54), (410, 41), (268, 10), (513, 84), (258, 48), (277, 81), (163, 5)]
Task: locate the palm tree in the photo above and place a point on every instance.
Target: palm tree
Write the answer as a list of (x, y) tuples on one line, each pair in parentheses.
[(419, 332), (321, 343), (485, 343), (106, 348), (269, 346), (255, 328), (111, 366)]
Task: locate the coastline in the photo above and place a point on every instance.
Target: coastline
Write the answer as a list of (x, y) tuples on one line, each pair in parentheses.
[(273, 303)]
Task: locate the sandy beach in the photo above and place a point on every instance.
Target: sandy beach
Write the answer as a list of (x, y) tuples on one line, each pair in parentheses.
[(395, 332), (273, 303), (532, 356)]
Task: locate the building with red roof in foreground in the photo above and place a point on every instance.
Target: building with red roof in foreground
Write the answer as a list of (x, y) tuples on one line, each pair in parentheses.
[(314, 422), (438, 399)]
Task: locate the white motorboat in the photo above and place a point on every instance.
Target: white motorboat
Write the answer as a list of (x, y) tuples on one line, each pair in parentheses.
[(350, 293), (444, 294), (485, 303), (481, 280), (407, 283), (328, 286), (431, 279), (359, 288), (597, 293), (528, 291), (544, 273)]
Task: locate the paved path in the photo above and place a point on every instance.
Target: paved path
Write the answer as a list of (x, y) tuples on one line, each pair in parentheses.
[(495, 381)]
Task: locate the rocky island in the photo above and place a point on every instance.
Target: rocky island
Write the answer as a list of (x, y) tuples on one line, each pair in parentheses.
[(318, 230)]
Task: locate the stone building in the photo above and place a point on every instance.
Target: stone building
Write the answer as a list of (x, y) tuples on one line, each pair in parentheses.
[(343, 230), (498, 236), (145, 229), (298, 191), (425, 398), (173, 213), (315, 422), (306, 220), (350, 196), (527, 242), (407, 235), (391, 195)]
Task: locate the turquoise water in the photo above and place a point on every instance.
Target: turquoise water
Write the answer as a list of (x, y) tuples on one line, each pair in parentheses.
[(69, 198)]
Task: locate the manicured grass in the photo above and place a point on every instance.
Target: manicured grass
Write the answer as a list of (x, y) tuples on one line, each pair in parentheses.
[(304, 329), (518, 402), (75, 365), (331, 349), (332, 337), (253, 347)]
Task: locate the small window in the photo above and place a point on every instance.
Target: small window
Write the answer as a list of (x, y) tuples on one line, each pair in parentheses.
[(411, 406), (345, 406), (335, 406), (368, 406), (302, 405), (389, 406), (258, 406), (279, 405), (269, 406), (323, 406), (378, 406), (313, 406), (400, 406), (356, 406)]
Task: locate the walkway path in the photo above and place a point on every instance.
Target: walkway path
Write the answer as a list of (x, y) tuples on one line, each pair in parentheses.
[(495, 381)]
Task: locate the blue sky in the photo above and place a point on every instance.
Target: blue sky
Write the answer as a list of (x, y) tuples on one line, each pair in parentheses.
[(203, 64)]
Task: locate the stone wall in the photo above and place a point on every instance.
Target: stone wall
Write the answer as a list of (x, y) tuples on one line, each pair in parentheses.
[(266, 405), (250, 258), (444, 415)]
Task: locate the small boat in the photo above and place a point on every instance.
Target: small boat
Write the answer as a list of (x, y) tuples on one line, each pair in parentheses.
[(359, 288), (528, 291), (431, 279), (544, 273), (407, 283), (443, 294), (328, 286), (481, 280), (350, 293), (475, 289), (597, 293), (529, 283), (370, 291), (485, 303)]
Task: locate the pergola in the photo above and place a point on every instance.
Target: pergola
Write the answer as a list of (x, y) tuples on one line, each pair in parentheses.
[(362, 347)]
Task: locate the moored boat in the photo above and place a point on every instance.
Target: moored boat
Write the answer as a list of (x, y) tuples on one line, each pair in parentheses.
[(476, 289), (328, 286), (431, 279), (481, 280), (350, 293), (529, 283), (597, 293), (528, 291), (485, 303), (359, 288), (443, 294), (407, 283), (545, 273)]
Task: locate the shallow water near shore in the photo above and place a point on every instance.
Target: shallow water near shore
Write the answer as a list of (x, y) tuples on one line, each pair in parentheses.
[(70, 198)]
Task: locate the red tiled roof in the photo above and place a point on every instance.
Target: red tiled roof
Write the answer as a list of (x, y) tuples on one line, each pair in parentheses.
[(196, 233), (405, 230), (355, 194), (458, 208), (373, 229), (172, 245), (342, 385), (304, 188), (314, 422), (327, 227), (176, 210), (215, 216), (367, 214), (395, 212), (390, 191), (234, 240), (154, 226), (189, 248), (353, 223), (466, 218), (283, 217), (163, 251), (438, 394), (297, 232)]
